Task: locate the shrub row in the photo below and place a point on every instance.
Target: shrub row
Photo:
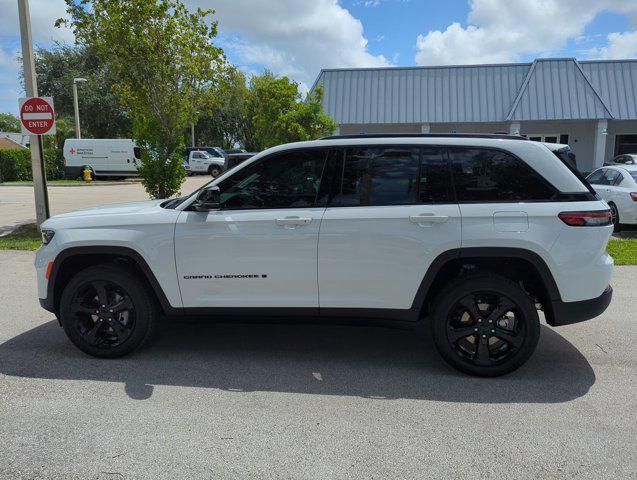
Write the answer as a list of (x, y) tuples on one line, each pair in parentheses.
[(16, 164)]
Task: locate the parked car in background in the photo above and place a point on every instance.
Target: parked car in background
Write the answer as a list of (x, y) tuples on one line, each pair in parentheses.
[(200, 162), (235, 150), (214, 152), (624, 159), (105, 157), (618, 186)]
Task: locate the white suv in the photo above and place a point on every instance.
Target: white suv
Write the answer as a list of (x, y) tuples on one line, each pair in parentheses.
[(468, 235)]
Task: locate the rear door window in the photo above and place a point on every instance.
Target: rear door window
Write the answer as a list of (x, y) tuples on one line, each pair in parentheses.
[(488, 175), (379, 176)]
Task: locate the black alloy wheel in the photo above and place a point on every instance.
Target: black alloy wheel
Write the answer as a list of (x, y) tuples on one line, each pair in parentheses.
[(103, 314), (485, 324), (108, 311), (215, 171), (485, 328)]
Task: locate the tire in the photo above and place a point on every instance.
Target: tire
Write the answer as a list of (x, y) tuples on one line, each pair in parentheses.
[(493, 312), (615, 215), (107, 311), (214, 170)]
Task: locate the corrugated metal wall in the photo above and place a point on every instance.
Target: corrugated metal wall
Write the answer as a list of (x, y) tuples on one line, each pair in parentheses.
[(558, 90), (548, 89), (616, 83), (417, 95)]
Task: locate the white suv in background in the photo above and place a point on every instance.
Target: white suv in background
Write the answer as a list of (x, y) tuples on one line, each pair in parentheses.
[(618, 186), (468, 235)]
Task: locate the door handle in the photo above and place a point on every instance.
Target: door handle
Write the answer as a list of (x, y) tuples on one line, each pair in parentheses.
[(292, 221), (428, 218)]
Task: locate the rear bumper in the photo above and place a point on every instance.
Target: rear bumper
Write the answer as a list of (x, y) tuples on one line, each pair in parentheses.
[(565, 313)]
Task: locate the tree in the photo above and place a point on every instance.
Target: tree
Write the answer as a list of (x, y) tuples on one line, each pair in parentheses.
[(279, 116), (9, 123), (227, 124), (101, 113), (164, 65)]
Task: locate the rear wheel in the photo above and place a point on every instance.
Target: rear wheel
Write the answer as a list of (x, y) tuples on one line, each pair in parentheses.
[(106, 311), (485, 325), (615, 217)]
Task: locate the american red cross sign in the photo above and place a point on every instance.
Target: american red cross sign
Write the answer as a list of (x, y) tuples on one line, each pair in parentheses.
[(37, 116)]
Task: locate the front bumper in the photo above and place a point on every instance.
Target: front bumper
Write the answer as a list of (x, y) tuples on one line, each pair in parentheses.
[(565, 313)]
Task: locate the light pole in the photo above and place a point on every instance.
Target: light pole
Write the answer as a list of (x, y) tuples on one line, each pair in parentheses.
[(76, 106)]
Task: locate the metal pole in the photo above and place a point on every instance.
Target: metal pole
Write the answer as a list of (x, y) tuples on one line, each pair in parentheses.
[(35, 141), (76, 108), (192, 134)]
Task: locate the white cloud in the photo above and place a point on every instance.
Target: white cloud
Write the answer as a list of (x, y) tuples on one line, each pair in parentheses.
[(619, 46), (293, 37), (9, 84), (44, 13), (504, 30)]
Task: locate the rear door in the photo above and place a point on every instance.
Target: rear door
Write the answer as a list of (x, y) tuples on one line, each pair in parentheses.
[(391, 216)]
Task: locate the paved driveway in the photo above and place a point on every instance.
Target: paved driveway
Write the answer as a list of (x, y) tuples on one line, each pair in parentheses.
[(17, 205), (236, 401)]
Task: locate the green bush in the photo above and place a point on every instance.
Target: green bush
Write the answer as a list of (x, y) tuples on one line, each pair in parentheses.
[(15, 165)]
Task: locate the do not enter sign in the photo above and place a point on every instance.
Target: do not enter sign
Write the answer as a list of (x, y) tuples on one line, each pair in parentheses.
[(37, 116)]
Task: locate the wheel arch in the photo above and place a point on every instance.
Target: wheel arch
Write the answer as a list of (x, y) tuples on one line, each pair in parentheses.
[(518, 264), (72, 259)]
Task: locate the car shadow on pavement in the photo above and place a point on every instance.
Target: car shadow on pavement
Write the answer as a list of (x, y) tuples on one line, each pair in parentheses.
[(367, 362)]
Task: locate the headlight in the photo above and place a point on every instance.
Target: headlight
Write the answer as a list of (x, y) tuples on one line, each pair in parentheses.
[(47, 236)]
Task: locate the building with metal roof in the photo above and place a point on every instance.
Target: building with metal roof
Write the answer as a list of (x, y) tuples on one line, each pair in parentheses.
[(591, 105)]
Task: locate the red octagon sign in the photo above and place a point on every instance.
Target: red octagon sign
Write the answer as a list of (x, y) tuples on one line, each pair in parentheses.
[(37, 115)]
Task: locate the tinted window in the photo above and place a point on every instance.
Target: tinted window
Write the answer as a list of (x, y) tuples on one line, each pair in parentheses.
[(633, 174), (596, 177), (284, 181), (434, 177), (379, 176), (483, 175), (610, 177), (137, 153)]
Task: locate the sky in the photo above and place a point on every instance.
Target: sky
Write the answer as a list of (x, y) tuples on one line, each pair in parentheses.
[(298, 38)]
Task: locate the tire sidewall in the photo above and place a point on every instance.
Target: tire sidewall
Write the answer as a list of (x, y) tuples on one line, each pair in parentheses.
[(144, 311), (214, 169), (464, 287)]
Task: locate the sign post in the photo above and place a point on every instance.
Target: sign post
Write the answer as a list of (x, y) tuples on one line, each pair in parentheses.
[(31, 88)]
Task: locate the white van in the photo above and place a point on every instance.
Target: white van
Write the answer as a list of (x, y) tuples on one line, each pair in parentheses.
[(117, 157)]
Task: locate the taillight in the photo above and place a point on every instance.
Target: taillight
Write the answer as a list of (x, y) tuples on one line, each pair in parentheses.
[(633, 195), (586, 219)]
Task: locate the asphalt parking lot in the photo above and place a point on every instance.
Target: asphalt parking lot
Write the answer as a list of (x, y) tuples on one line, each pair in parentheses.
[(17, 205), (285, 401)]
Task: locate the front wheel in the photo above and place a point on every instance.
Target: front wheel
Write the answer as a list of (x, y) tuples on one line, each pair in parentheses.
[(485, 325), (106, 311)]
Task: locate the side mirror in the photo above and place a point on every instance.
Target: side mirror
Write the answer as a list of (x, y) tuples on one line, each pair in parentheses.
[(208, 199)]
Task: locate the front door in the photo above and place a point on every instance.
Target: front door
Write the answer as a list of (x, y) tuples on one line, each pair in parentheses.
[(259, 248), (393, 215)]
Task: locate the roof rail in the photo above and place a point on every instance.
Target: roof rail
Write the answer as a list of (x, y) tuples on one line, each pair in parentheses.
[(426, 135)]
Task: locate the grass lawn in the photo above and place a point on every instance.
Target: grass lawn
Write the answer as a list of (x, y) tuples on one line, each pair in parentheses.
[(27, 237), (624, 251)]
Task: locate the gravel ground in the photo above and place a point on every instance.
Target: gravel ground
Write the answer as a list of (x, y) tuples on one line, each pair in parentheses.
[(237, 401)]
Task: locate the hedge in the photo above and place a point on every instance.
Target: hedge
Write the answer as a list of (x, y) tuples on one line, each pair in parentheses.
[(15, 164)]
